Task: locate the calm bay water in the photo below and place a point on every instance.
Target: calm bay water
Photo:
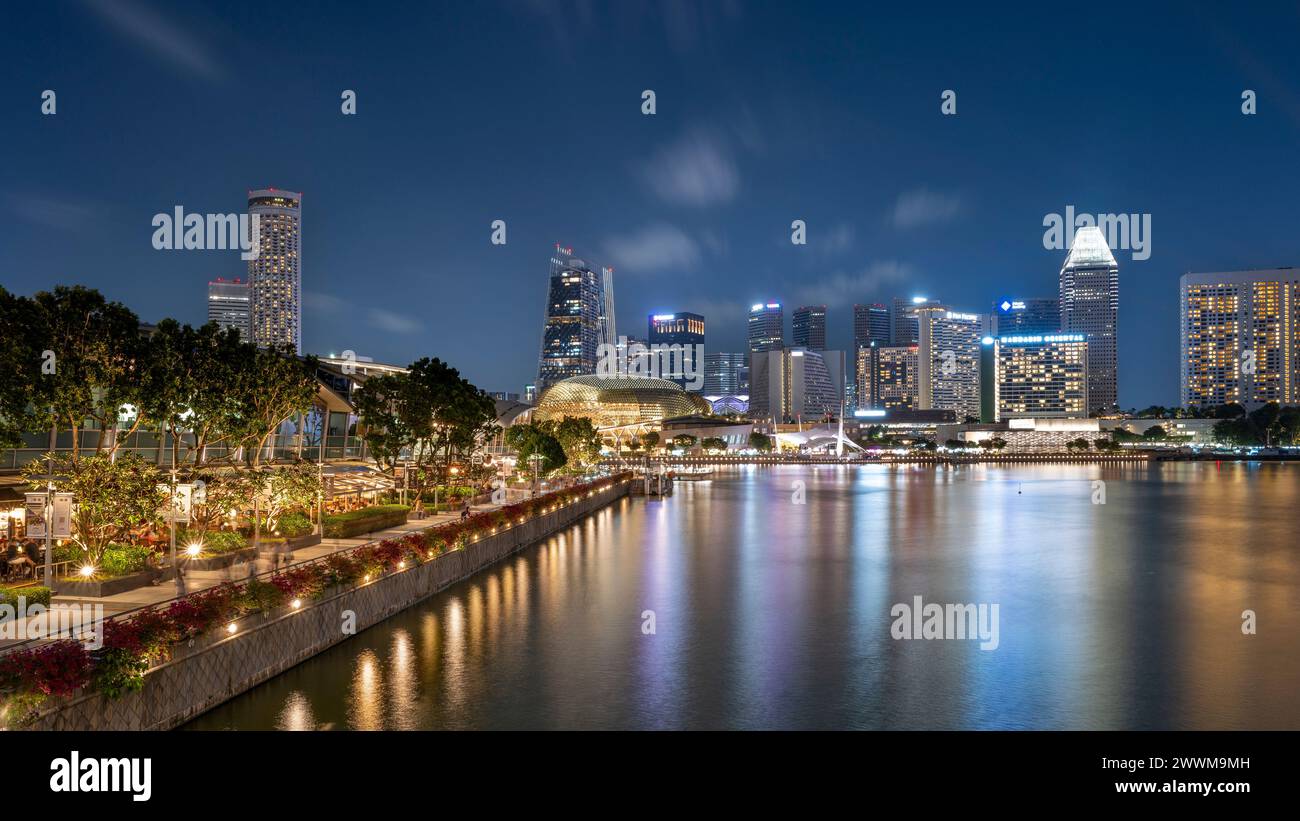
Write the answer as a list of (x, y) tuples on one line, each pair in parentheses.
[(771, 614)]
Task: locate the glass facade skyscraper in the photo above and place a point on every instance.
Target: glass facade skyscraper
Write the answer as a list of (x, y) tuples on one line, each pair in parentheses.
[(1041, 315), (576, 319), (228, 305), (1089, 285), (808, 327), (766, 327)]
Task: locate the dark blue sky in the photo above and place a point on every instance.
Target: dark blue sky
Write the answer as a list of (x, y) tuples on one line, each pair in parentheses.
[(530, 112)]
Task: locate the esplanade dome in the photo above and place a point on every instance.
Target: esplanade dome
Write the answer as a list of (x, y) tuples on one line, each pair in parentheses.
[(611, 401)]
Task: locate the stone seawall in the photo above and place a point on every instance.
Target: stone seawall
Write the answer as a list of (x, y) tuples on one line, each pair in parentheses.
[(217, 667)]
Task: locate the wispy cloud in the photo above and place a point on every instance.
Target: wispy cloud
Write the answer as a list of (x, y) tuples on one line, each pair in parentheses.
[(328, 306), (845, 288), (654, 248), (698, 169), (391, 322), (63, 215), (923, 207), (838, 239), (166, 40)]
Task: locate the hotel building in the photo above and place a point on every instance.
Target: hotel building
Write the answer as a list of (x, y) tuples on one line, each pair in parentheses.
[(949, 365), (1040, 315), (1040, 375), (275, 275), (888, 377), (1239, 335), (683, 334), (578, 308), (795, 384)]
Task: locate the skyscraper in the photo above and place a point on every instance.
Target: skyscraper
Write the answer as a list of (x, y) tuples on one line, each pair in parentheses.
[(871, 324), (228, 305), (683, 334), (949, 360), (766, 327), (888, 377), (1040, 315), (1040, 375), (726, 374), (576, 319), (1090, 306), (275, 275), (795, 384), (809, 327), (906, 330), (1239, 335)]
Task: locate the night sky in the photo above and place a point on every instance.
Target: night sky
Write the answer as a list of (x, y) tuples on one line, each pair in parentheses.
[(530, 112)]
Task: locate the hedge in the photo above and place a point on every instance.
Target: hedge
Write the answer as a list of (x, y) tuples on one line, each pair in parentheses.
[(365, 520), (34, 595)]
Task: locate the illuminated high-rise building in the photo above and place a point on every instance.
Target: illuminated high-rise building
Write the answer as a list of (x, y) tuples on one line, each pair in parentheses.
[(796, 384), (682, 360), (228, 305), (579, 308), (726, 374), (1239, 335), (888, 377), (1089, 285), (275, 274), (1026, 316), (871, 324), (1040, 375), (766, 327), (808, 327), (906, 328), (949, 363)]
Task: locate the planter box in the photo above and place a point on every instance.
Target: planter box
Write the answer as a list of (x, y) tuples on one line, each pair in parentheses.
[(356, 526), (98, 588), (220, 560)]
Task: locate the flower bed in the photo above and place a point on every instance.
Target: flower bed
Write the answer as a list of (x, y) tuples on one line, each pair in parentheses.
[(132, 645)]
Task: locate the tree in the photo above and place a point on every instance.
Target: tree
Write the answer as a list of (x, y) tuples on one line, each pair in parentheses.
[(577, 435), (20, 369), (286, 488), (684, 441), (713, 443), (760, 442), (530, 442), (112, 497), (278, 386), (998, 443), (386, 417), (650, 440), (1155, 432), (94, 346)]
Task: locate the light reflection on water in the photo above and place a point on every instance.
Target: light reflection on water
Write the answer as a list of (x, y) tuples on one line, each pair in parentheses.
[(770, 614)]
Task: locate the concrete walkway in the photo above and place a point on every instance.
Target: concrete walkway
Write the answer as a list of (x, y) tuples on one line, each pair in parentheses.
[(197, 580)]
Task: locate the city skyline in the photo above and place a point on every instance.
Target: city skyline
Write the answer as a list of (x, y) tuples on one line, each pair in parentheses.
[(704, 192)]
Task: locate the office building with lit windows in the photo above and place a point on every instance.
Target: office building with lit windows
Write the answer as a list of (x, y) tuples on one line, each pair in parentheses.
[(949, 361), (796, 384), (1089, 292), (275, 274), (808, 327), (766, 327), (1040, 375), (726, 374), (228, 305), (1041, 315), (680, 341), (906, 329), (887, 377), (578, 318), (871, 324), (1239, 337)]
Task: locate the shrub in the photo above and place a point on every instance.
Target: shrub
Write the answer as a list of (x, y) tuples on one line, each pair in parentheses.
[(294, 525), (33, 595), (355, 522), (224, 541), (119, 560)]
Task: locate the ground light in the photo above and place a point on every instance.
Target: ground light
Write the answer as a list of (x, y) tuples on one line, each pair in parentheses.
[(87, 571), (194, 550)]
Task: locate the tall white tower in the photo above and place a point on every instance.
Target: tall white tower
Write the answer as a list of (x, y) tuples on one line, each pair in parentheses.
[(1090, 306), (275, 276)]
